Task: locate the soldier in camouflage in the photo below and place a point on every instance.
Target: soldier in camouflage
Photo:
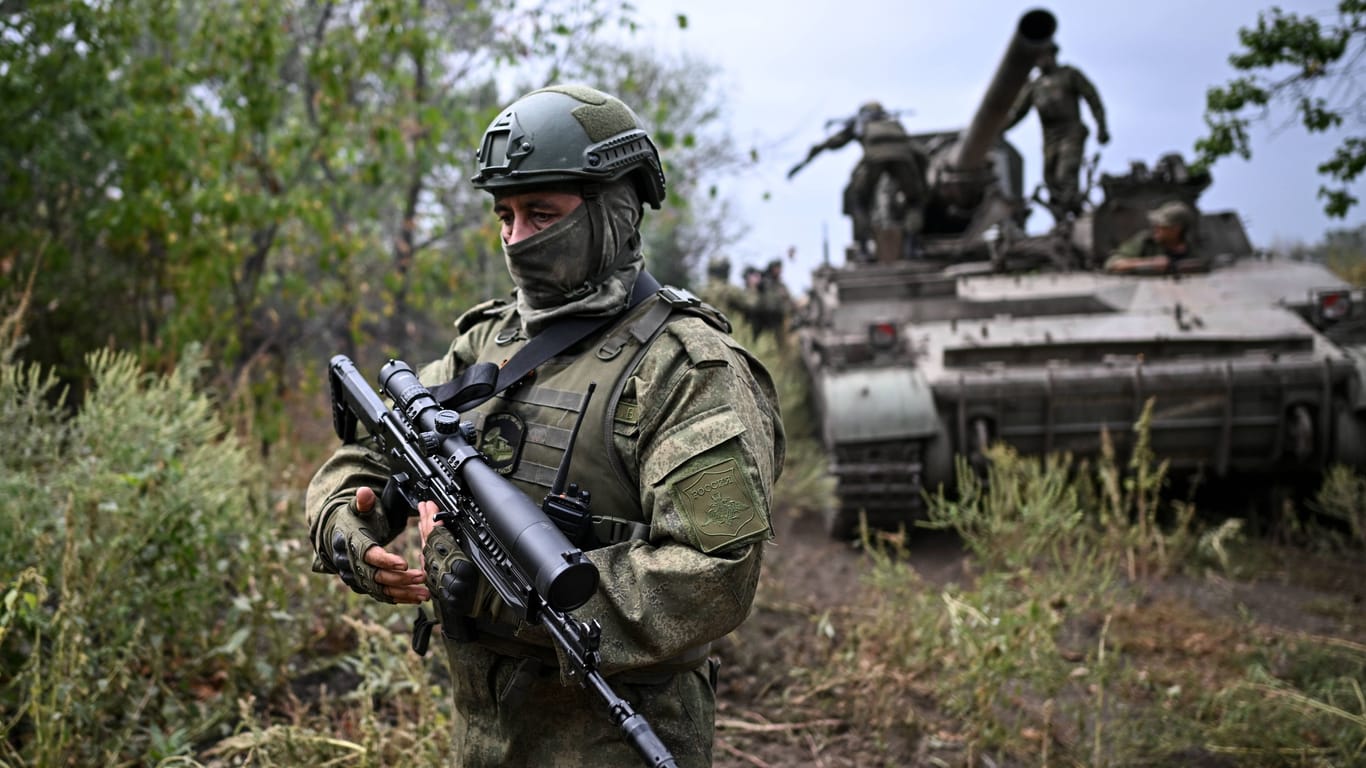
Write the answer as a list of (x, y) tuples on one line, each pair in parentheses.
[(680, 447), (726, 296), (886, 149), (1167, 248), (773, 303), (1055, 94)]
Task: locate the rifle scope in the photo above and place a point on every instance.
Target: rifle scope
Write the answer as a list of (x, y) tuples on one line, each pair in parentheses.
[(561, 574)]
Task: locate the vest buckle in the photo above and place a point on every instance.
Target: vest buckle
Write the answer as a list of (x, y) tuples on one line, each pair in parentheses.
[(611, 348), (679, 297)]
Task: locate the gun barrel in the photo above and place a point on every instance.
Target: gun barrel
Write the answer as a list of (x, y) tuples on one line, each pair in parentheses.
[(1033, 35)]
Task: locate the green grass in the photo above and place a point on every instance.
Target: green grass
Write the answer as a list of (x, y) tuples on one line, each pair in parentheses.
[(1063, 648)]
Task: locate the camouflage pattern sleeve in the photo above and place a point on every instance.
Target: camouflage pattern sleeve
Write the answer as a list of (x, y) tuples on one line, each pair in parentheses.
[(1137, 246), (334, 486), (352, 466), (1091, 96), (707, 448)]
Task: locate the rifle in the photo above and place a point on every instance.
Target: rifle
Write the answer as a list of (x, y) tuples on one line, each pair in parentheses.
[(528, 560)]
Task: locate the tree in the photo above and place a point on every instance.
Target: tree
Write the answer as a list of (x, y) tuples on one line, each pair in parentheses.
[(275, 179), (677, 100), (1313, 68)]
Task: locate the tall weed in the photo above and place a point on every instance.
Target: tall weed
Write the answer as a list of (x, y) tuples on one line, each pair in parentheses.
[(143, 578), (1022, 654), (1302, 705), (1342, 497)]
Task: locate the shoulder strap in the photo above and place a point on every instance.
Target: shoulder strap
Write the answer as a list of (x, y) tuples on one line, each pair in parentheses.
[(482, 381)]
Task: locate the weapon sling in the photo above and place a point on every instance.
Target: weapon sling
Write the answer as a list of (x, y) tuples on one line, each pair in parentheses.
[(483, 381)]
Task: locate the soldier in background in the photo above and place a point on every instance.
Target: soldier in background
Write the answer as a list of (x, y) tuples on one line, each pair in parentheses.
[(734, 301), (886, 149), (772, 303), (1055, 94), (1167, 248)]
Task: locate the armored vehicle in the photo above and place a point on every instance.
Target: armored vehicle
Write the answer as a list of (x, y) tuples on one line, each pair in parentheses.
[(978, 332)]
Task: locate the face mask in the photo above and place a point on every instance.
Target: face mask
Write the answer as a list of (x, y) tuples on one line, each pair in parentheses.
[(583, 264), (552, 267)]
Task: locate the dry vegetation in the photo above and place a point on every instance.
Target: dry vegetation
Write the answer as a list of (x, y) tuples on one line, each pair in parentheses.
[(155, 590)]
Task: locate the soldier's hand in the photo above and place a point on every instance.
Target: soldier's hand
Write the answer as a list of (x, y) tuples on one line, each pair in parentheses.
[(1103, 136), (426, 519), (363, 563)]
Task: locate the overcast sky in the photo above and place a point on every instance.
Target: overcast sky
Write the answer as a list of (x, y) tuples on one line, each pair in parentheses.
[(789, 66)]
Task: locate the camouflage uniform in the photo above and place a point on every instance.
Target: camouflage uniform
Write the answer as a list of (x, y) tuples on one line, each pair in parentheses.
[(886, 148), (772, 303), (1144, 245), (679, 446), (1055, 95), (726, 296)]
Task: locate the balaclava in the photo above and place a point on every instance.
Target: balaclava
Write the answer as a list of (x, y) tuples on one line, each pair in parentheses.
[(585, 264)]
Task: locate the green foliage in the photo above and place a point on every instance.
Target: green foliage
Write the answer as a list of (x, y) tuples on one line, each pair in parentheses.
[(1343, 497), (806, 482), (394, 715), (1023, 655), (136, 560), (1044, 654), (1299, 62), (1303, 705), (1344, 250), (277, 181)]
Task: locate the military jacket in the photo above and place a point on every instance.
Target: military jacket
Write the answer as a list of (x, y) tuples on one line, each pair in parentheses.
[(1142, 245), (1055, 97), (679, 447)]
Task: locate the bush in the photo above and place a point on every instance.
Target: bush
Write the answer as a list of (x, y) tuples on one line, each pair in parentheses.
[(142, 576)]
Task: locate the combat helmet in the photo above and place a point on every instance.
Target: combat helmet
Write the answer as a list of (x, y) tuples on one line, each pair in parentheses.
[(718, 268), (871, 110), (568, 134)]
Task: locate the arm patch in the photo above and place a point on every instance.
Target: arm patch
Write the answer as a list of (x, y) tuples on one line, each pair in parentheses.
[(720, 505)]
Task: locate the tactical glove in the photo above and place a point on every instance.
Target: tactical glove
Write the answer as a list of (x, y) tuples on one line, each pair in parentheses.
[(456, 581), (348, 535)]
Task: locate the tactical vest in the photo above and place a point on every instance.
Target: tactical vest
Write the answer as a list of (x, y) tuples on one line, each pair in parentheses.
[(525, 431), (880, 131)]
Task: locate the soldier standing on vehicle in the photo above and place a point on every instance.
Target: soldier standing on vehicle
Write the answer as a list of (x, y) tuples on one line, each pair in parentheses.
[(1166, 248), (1055, 94), (680, 447), (886, 149)]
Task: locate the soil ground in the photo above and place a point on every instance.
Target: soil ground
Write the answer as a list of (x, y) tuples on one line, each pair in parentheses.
[(765, 717)]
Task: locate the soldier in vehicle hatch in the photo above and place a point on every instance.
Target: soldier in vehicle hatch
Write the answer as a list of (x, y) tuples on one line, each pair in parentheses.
[(1055, 95), (1168, 248), (886, 148)]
